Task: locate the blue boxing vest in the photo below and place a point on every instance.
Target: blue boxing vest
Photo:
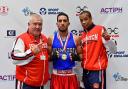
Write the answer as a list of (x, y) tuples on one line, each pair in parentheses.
[(70, 47)]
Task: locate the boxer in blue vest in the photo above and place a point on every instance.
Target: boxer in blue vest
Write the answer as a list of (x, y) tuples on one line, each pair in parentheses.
[(65, 49)]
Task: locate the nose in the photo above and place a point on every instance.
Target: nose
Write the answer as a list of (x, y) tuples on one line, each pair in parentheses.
[(37, 26), (62, 22), (84, 22)]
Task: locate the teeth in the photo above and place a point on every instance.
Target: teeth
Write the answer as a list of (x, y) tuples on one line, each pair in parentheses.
[(84, 22)]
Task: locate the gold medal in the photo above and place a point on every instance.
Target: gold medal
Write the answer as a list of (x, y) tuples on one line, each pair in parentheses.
[(64, 56)]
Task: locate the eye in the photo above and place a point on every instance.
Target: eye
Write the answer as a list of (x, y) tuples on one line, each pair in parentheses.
[(81, 20), (59, 20), (37, 24), (64, 20), (40, 24), (34, 24)]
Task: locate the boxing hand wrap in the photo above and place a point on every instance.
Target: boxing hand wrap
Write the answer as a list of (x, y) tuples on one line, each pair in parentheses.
[(55, 55), (75, 57)]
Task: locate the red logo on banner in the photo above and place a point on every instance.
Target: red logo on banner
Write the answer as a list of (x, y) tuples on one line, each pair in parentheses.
[(4, 10)]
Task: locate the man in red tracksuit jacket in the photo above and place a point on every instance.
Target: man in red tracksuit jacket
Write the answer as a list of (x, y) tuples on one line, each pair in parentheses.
[(95, 39), (30, 56)]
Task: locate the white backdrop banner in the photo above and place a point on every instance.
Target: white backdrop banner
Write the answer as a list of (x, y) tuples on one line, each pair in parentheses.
[(112, 14)]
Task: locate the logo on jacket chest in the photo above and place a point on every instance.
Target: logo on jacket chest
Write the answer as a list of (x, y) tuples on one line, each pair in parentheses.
[(90, 38), (43, 45)]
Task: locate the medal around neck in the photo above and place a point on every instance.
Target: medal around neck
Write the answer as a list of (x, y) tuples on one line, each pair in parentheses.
[(64, 56), (43, 57)]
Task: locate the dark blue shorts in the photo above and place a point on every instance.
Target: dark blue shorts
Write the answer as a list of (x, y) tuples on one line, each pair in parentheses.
[(21, 85), (91, 77), (25, 86)]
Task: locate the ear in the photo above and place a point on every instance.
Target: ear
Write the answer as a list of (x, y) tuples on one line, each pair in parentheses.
[(28, 23), (69, 23), (56, 24)]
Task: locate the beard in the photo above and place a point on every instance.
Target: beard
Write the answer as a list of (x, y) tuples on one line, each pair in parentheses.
[(64, 30)]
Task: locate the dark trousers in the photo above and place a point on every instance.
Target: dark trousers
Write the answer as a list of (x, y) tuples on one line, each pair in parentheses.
[(21, 85), (90, 77)]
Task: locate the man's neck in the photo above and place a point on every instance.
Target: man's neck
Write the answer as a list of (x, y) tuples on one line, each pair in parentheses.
[(63, 35), (36, 37), (90, 27), (33, 36)]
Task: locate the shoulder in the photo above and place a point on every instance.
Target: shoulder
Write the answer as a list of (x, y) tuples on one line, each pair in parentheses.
[(50, 39), (44, 37), (77, 39), (100, 26), (22, 36)]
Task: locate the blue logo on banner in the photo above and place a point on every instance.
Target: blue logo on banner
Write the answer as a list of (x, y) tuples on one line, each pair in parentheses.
[(26, 11), (76, 32), (49, 11), (118, 54), (42, 11), (118, 77)]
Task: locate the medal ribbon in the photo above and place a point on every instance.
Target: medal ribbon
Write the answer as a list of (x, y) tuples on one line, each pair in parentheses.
[(63, 45)]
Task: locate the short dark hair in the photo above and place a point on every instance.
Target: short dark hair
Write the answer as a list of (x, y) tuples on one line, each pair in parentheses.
[(88, 12), (64, 14)]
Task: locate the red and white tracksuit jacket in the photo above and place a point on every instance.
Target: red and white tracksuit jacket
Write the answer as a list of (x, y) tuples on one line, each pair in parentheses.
[(94, 51), (30, 69)]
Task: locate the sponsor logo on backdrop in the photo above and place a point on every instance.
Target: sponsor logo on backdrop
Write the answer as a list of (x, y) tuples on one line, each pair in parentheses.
[(111, 10), (4, 10), (7, 77), (80, 9), (76, 32), (119, 77), (26, 11), (10, 33), (49, 11), (43, 11), (113, 31), (118, 54)]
